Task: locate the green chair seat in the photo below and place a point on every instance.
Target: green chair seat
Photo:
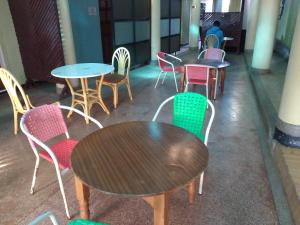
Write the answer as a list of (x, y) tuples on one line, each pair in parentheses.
[(85, 222)]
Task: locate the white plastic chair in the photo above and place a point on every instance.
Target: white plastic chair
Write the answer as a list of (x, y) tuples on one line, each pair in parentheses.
[(196, 100), (51, 216), (44, 123), (167, 67)]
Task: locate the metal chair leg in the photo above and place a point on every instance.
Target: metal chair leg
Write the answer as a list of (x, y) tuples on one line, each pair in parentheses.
[(164, 78), (175, 81), (201, 183), (37, 162), (158, 79), (61, 186)]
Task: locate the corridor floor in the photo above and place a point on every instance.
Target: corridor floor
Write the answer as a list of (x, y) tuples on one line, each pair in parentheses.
[(236, 188)]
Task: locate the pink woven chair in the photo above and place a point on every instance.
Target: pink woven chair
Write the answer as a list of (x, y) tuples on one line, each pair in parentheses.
[(167, 67), (216, 54), (42, 124), (199, 74)]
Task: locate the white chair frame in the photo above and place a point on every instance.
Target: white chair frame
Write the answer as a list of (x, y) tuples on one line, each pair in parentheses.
[(43, 217), (49, 151), (203, 53), (187, 76), (212, 116), (165, 73)]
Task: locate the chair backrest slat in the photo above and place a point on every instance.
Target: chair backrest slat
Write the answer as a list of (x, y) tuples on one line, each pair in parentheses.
[(15, 91), (121, 59)]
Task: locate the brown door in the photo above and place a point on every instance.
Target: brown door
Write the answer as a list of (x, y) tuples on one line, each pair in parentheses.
[(37, 28), (105, 7)]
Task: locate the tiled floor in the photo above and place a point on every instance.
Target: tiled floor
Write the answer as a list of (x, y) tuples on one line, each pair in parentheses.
[(236, 188)]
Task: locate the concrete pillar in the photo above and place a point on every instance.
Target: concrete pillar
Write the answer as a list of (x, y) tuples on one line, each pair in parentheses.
[(66, 37), (155, 28), (194, 24), (185, 21), (251, 24), (265, 34), (289, 110)]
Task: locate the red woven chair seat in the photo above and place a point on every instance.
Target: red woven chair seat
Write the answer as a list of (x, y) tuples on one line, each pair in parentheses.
[(170, 69), (62, 150)]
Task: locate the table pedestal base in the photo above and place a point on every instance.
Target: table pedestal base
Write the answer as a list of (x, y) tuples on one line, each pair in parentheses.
[(85, 97)]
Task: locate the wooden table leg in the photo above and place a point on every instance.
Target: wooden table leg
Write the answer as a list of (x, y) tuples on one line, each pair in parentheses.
[(192, 191), (83, 194), (182, 78), (216, 84), (222, 73), (85, 93), (99, 91), (159, 203)]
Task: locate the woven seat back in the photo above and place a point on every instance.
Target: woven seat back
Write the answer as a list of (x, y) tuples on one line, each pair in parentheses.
[(189, 112), (196, 72), (162, 64), (214, 53), (45, 122)]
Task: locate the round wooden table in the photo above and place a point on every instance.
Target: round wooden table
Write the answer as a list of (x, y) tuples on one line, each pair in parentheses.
[(138, 159)]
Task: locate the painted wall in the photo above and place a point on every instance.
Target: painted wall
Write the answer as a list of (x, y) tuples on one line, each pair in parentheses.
[(286, 25), (85, 21), (9, 43)]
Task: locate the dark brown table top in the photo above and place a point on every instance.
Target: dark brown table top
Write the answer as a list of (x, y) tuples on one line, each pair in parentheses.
[(139, 158)]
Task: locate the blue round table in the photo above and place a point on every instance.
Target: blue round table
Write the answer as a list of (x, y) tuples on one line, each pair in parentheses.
[(85, 97)]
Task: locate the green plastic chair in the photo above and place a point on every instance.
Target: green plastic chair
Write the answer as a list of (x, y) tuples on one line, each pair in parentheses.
[(50, 215), (189, 111)]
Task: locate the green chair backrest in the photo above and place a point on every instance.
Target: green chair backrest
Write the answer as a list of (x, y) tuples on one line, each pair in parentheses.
[(85, 222), (189, 112)]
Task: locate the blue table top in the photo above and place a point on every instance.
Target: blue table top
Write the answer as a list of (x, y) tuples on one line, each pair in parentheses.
[(82, 70)]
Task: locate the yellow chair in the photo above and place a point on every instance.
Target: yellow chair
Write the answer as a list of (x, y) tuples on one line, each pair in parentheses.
[(211, 41), (121, 59), (20, 102)]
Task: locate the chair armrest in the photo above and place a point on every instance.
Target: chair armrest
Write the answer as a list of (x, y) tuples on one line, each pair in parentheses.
[(160, 107), (82, 114), (174, 57), (201, 53), (43, 217)]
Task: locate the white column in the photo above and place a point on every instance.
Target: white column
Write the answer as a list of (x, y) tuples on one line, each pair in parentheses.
[(265, 34), (194, 24), (185, 21), (155, 28), (289, 111), (251, 24), (66, 36)]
